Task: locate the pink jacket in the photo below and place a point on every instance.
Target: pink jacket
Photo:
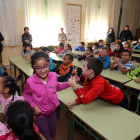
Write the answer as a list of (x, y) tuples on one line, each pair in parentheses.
[(43, 96), (5, 102)]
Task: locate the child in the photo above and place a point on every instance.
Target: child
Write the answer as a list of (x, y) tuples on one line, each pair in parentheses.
[(29, 52), (137, 46), (105, 58), (66, 69), (123, 64), (40, 48), (95, 86), (80, 47), (130, 41), (40, 92), (87, 53), (108, 49), (120, 40), (47, 51), (95, 48), (135, 74), (127, 46), (67, 50), (112, 42), (100, 44), (117, 40), (20, 121), (60, 48), (8, 88), (118, 50)]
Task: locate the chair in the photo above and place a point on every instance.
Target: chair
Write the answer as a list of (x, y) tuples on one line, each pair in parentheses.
[(42, 137), (51, 48)]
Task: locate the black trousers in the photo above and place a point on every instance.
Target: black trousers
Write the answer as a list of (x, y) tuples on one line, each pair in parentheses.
[(124, 102)]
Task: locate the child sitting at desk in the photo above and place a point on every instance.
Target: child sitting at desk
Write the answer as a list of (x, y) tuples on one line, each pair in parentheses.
[(60, 48), (29, 52), (47, 51), (95, 48), (124, 64), (67, 50), (108, 49), (127, 46), (80, 47), (86, 54), (105, 58), (100, 44), (66, 69), (95, 86), (118, 51), (137, 46), (130, 41), (112, 44)]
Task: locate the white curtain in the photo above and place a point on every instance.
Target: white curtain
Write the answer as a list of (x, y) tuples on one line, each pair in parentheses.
[(135, 20), (115, 15), (9, 22), (45, 27), (56, 18), (35, 19), (98, 14), (126, 14)]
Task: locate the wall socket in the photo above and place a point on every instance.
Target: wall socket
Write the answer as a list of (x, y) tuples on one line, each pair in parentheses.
[(14, 50)]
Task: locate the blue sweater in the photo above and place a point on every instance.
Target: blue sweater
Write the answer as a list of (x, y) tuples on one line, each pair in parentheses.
[(136, 47), (100, 46), (51, 63), (106, 61), (1, 71), (79, 48)]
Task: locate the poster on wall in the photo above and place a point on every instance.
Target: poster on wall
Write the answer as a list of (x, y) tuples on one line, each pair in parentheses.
[(74, 25)]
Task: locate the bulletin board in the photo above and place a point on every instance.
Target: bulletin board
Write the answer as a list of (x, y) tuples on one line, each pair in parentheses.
[(74, 24)]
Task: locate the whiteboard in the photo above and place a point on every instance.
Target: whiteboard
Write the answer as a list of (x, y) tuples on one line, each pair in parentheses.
[(74, 24)]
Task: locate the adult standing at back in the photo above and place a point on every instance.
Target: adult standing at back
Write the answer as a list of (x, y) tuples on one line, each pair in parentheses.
[(110, 35), (126, 34), (62, 36), (1, 46), (26, 37)]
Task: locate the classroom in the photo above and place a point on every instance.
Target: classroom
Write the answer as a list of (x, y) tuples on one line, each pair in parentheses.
[(69, 70)]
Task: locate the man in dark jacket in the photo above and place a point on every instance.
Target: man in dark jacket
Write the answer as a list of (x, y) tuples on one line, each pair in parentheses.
[(1, 46), (126, 34)]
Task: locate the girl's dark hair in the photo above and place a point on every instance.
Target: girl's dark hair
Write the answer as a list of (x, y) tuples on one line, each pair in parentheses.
[(10, 82), (20, 118), (90, 48), (96, 44), (108, 45), (112, 29), (37, 56), (45, 49), (29, 45), (121, 47), (61, 44), (69, 46)]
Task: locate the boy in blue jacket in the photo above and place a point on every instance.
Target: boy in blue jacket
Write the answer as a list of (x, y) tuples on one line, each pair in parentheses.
[(80, 47), (104, 57)]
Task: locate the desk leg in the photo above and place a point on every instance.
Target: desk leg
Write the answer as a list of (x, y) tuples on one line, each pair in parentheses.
[(15, 71), (69, 126), (73, 126), (10, 68), (22, 86)]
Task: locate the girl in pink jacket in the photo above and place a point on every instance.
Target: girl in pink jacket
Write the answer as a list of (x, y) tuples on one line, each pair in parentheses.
[(40, 91), (8, 88)]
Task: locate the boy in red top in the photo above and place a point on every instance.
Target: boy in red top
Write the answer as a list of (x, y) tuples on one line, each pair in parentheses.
[(95, 86)]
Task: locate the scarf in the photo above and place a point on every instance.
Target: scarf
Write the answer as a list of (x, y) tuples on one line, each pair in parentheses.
[(65, 69), (89, 55)]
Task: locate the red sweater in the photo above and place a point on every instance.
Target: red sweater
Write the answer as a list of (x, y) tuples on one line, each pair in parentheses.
[(116, 54), (58, 51), (98, 87)]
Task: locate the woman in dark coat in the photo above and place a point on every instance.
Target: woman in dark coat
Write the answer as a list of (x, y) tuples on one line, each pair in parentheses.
[(110, 35)]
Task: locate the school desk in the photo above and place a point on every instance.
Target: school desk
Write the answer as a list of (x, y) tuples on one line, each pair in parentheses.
[(134, 89), (135, 55), (136, 51), (111, 122)]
